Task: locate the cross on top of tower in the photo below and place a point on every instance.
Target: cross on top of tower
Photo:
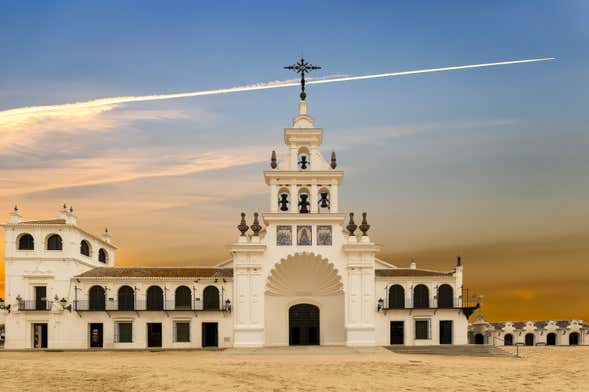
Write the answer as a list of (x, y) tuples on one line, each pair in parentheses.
[(302, 67)]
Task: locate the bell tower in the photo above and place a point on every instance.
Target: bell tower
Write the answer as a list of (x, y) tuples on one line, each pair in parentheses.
[(304, 182)]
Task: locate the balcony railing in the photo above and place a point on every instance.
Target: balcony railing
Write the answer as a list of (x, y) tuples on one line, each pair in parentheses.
[(114, 306), (463, 302), (34, 305)]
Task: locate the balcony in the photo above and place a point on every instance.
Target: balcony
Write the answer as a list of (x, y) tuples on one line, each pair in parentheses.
[(119, 306), (34, 305), (463, 302)]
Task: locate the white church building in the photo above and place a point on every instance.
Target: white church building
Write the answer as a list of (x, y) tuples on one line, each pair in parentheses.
[(301, 273)]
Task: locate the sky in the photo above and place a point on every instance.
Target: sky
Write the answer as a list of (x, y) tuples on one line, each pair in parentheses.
[(490, 164)]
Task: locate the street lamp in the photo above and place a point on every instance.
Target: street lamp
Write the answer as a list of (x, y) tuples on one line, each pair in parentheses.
[(380, 305)]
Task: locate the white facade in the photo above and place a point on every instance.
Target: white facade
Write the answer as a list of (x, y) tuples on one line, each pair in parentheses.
[(308, 276)]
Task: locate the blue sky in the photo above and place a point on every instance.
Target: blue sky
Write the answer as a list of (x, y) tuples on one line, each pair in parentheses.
[(454, 162)]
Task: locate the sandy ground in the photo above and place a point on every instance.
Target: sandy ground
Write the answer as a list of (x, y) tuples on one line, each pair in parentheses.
[(325, 369)]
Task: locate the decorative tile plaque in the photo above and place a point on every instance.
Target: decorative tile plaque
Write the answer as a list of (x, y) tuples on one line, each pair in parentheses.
[(284, 235), (323, 235), (304, 235)]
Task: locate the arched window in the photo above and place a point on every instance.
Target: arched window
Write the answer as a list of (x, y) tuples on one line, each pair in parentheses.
[(324, 200), (421, 296), (574, 339), (396, 297), (551, 339), (303, 159), (211, 298), (183, 298), (304, 202), (54, 242), (479, 338), (529, 339), (155, 298), (96, 298), (85, 248), (508, 341), (102, 256), (26, 242), (283, 199), (445, 296), (126, 298)]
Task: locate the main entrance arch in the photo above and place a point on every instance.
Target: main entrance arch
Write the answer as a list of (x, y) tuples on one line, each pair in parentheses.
[(303, 325), (304, 302)]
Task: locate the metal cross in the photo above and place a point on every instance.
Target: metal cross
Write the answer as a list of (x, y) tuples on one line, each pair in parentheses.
[(302, 67)]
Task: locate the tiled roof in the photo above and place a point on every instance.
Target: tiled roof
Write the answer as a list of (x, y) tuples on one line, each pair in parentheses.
[(519, 324), (46, 222), (410, 272), (157, 272), (563, 323), (498, 325)]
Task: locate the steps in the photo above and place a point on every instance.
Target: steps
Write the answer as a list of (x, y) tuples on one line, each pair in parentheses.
[(463, 350)]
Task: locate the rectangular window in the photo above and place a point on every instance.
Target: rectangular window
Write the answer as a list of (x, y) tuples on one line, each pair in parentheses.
[(422, 330), (182, 333), (123, 332)]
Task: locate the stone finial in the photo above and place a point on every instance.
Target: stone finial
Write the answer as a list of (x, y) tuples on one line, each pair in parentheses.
[(364, 226), (106, 237), (458, 261), (64, 206), (273, 163), (15, 208), (256, 225), (15, 216), (71, 209), (242, 227), (413, 264), (351, 225), (333, 160)]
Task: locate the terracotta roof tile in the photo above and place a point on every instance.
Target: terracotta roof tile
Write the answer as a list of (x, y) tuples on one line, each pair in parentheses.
[(46, 222), (157, 272), (410, 272)]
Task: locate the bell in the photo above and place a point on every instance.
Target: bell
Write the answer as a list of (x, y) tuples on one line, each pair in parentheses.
[(303, 163), (283, 202), (304, 204), (324, 202)]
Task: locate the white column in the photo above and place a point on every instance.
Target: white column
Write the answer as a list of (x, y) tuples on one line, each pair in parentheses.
[(294, 199), (273, 197), (333, 194), (314, 197)]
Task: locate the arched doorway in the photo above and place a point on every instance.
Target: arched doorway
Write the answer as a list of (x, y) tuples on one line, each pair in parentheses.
[(529, 339), (551, 339), (479, 338), (574, 339), (508, 341), (303, 323)]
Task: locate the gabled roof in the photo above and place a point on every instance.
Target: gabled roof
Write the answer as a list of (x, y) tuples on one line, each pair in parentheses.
[(410, 272), (157, 272)]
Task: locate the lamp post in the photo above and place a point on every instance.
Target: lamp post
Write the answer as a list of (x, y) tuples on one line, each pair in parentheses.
[(380, 305)]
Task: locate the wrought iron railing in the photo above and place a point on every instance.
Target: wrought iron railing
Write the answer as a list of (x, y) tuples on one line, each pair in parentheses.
[(34, 305), (113, 306), (464, 302)]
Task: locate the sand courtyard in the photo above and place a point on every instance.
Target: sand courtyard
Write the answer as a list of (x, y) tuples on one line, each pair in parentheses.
[(294, 369)]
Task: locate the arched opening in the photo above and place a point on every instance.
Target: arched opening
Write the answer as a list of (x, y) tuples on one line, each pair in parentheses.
[(283, 199), (303, 159), (508, 341), (396, 297), (574, 339), (102, 255), (324, 200), (182, 298), (85, 248), (529, 339), (211, 298), (96, 298), (155, 298), (445, 296), (551, 339), (126, 298), (26, 242), (303, 322), (479, 338), (54, 242), (421, 296), (304, 202)]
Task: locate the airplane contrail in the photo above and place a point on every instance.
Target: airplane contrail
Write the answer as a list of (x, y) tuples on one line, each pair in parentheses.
[(23, 112)]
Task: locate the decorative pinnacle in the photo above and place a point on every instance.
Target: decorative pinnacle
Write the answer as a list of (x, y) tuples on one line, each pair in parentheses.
[(64, 206), (351, 226), (333, 160), (256, 225), (15, 208), (458, 261), (71, 209), (273, 163), (302, 67), (242, 227), (364, 226)]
